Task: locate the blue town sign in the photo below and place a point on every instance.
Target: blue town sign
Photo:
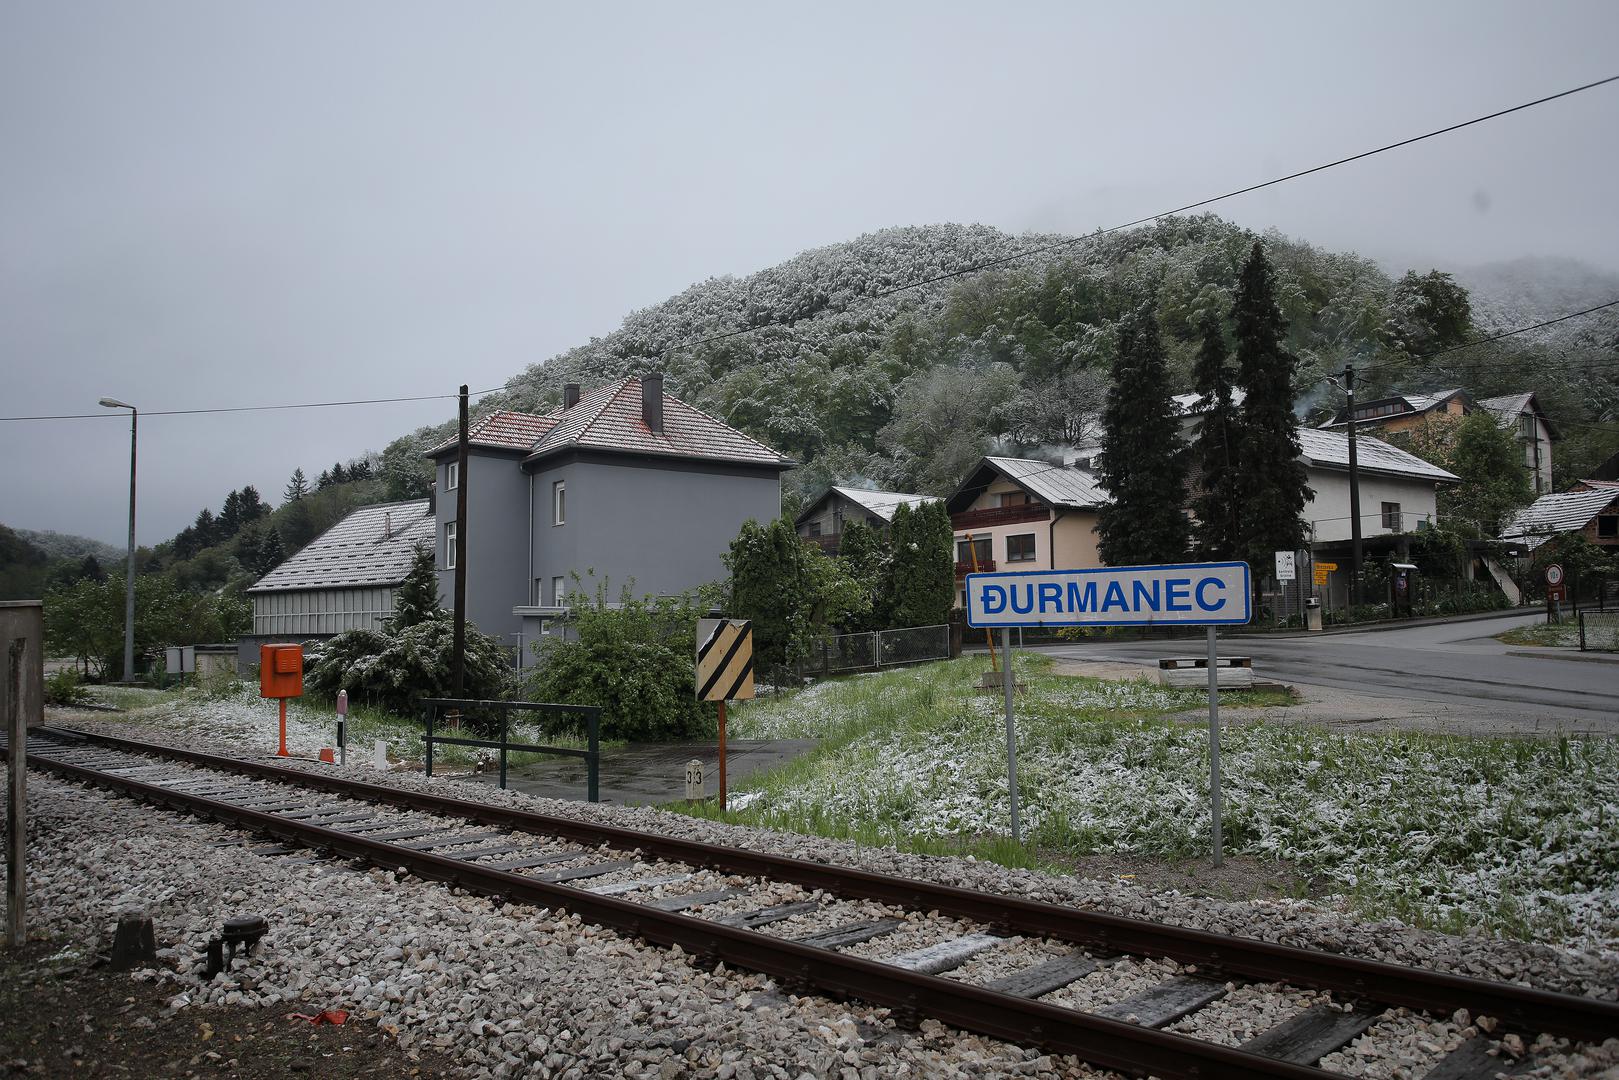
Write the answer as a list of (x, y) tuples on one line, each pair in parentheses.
[(1186, 594)]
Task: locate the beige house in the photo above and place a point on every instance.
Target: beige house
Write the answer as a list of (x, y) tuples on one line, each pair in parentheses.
[(1023, 514)]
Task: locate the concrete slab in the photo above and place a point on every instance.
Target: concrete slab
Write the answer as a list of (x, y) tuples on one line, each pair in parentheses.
[(645, 774)]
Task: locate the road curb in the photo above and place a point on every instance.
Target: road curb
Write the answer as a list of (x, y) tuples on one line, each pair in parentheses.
[(1584, 658)]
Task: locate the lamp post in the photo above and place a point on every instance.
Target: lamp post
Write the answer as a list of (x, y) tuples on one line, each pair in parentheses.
[(129, 574), (1348, 387)]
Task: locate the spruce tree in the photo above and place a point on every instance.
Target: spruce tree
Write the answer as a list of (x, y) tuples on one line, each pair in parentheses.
[(1143, 463), (866, 558), (1214, 453), (339, 474), (417, 599), (253, 506), (924, 565), (297, 487), (270, 553), (230, 516), (1272, 484), (206, 528), (324, 481)]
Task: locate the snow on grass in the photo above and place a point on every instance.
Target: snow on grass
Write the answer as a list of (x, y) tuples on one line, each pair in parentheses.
[(1514, 835)]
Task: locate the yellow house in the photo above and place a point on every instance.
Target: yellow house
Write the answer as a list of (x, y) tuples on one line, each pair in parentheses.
[(1022, 514)]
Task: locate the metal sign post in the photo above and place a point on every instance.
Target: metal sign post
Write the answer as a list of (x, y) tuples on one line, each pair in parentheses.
[(22, 702), (724, 670), (1187, 594), (1008, 682), (342, 725), (1214, 749)]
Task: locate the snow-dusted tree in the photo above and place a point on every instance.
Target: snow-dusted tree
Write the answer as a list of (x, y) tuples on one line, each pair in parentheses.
[(1272, 483), (1214, 451), (297, 487), (1143, 462), (1065, 409), (270, 553), (417, 599), (866, 557), (1427, 312), (944, 421), (923, 565)]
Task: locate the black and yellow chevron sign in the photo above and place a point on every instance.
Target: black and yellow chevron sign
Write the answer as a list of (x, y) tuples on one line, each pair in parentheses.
[(724, 659)]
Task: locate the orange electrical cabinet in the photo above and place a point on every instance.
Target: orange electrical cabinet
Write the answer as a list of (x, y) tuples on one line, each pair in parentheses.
[(281, 671)]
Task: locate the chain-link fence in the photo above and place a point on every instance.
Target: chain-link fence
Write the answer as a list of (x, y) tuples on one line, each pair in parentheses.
[(883, 648), (1599, 631)]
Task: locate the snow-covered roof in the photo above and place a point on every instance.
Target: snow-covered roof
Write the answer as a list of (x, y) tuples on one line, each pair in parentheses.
[(883, 503), (1056, 485), (1330, 449), (374, 545), (1507, 409), (1561, 512), (1192, 404), (1415, 403)]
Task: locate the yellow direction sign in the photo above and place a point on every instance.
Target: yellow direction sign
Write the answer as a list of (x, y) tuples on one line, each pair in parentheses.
[(1327, 566), (724, 659), (1321, 576)]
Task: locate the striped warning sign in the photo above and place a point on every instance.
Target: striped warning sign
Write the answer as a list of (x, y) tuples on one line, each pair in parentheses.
[(724, 659)]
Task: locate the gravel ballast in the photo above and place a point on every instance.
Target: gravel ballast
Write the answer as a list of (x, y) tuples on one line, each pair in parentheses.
[(421, 986)]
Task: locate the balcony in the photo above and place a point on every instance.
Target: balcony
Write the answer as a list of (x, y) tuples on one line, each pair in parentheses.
[(985, 566), (828, 544), (999, 515)]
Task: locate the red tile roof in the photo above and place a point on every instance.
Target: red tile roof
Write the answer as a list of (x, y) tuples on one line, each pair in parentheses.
[(609, 418), (503, 430)]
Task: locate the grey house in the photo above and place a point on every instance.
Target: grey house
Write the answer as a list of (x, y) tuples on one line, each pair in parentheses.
[(625, 482), (344, 579)]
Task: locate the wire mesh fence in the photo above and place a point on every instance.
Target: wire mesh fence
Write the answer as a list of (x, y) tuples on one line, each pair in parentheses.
[(840, 653), (1599, 631)]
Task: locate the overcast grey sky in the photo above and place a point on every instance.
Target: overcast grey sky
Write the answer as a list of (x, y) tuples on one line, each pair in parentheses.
[(208, 204)]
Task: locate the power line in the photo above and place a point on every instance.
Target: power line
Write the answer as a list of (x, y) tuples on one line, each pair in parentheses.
[(990, 264), (252, 408), (1519, 330)]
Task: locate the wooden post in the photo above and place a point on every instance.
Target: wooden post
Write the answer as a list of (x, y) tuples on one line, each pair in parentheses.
[(22, 667), (722, 756), (458, 648)]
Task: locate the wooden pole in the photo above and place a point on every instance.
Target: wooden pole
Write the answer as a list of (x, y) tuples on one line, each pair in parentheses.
[(16, 797), (722, 755), (458, 647)]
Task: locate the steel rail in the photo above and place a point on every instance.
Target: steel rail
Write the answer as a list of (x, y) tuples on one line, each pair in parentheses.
[(1441, 993), (1112, 1044)]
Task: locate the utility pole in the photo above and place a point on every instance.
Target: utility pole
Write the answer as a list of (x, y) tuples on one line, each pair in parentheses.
[(459, 647), (1354, 493)]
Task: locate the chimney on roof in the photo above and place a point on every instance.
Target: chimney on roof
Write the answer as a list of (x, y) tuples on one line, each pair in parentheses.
[(388, 525), (570, 395), (652, 401)]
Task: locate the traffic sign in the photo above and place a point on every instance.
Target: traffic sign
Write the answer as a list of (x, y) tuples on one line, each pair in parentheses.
[(1327, 566), (1557, 593), (1321, 576), (1188, 594), (1554, 574), (1284, 566), (724, 659)]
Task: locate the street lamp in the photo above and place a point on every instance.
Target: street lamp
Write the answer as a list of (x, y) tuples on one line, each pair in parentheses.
[(1348, 387), (129, 575)]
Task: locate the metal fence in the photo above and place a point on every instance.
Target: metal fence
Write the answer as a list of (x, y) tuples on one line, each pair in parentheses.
[(469, 708), (878, 649), (1599, 631)]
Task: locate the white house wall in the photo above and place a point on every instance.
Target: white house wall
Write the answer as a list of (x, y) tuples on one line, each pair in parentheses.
[(1328, 512), (307, 612)]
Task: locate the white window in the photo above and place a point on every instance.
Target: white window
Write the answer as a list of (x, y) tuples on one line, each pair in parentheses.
[(559, 496), (452, 476), (559, 591), (449, 546)]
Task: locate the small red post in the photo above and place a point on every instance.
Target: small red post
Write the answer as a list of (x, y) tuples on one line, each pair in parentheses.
[(283, 751), (722, 755)]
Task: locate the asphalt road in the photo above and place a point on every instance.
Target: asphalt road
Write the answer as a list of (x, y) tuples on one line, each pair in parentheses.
[(1457, 665)]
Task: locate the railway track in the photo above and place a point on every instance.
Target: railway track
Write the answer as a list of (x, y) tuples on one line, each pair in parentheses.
[(996, 965)]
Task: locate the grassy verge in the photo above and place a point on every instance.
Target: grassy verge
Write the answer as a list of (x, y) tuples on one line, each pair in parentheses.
[(1566, 635), (1516, 836)]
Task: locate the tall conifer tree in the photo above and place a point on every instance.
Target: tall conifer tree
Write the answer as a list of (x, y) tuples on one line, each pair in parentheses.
[(1143, 462), (1214, 453), (417, 599), (297, 487), (1272, 483)]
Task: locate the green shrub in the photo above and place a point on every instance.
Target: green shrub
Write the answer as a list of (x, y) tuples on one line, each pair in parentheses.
[(635, 661), (64, 688), (393, 671)]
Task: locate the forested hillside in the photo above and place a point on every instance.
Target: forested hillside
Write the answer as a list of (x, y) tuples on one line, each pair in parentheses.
[(904, 389)]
